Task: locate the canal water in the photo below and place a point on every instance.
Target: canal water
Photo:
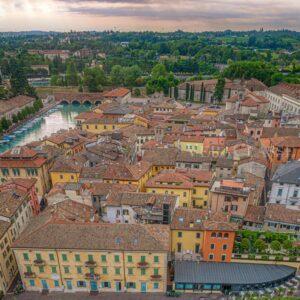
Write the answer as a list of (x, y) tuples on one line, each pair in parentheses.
[(60, 117)]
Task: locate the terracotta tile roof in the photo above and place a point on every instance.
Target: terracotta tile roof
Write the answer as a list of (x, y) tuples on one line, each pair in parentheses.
[(191, 138), (92, 236), (88, 115), (118, 92), (95, 173), (199, 219), (269, 132), (279, 213), (12, 103), (188, 157), (254, 84), (198, 177), (19, 152), (255, 214), (161, 156), (171, 179), (66, 165), (292, 90), (126, 172), (103, 188), (21, 182), (11, 200)]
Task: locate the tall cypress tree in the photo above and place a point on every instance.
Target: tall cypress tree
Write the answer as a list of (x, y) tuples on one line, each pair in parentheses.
[(192, 93), (176, 92), (201, 92)]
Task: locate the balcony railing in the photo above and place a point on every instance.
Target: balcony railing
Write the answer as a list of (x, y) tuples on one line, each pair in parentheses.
[(142, 264), (92, 276), (29, 275), (39, 262), (90, 263), (156, 277)]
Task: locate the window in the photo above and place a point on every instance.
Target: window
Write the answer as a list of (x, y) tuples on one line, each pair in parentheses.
[(211, 257), (184, 194), (104, 271), (77, 257), (105, 284), (295, 194), (56, 283), (28, 269), (179, 234), (79, 270), (51, 256), (117, 271), (117, 258), (130, 285), (223, 257), (53, 269), (41, 269), (156, 259), (143, 258), (212, 246), (279, 192), (197, 248), (5, 171), (72, 177), (155, 271), (226, 235), (198, 235), (16, 172), (64, 257), (213, 234), (155, 285), (90, 257), (103, 258), (31, 282), (130, 271), (38, 256), (179, 247), (234, 207), (25, 256), (66, 270), (81, 284), (61, 176), (143, 271), (129, 258), (225, 247)]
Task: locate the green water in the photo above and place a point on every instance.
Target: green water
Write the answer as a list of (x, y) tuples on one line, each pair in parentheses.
[(61, 117)]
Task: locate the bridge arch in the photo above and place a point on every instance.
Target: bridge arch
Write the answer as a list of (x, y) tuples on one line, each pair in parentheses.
[(64, 102), (87, 102), (98, 102), (76, 102)]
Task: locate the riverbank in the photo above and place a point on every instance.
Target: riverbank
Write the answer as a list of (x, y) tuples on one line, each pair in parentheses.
[(15, 126)]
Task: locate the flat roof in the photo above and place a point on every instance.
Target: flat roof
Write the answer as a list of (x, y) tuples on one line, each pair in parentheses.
[(229, 273)]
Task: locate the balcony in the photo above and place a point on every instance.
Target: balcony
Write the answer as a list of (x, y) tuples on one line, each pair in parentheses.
[(92, 276), (156, 277), (90, 263), (39, 262), (142, 264), (29, 275)]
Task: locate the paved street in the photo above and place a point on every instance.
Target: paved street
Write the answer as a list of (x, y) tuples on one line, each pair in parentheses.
[(108, 296)]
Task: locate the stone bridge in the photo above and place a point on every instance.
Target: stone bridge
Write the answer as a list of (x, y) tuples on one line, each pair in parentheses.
[(78, 98)]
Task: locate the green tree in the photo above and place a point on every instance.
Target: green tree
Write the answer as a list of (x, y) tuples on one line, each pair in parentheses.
[(131, 74), (260, 245), (245, 244), (71, 74), (137, 92), (176, 92), (117, 75), (287, 245), (275, 245), (94, 79), (192, 93), (5, 124), (18, 80), (158, 71), (219, 90), (15, 118)]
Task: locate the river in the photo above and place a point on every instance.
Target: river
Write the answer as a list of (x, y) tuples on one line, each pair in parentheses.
[(60, 117)]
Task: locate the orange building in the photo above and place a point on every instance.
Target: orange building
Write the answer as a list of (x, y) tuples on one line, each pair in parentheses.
[(283, 149), (218, 241)]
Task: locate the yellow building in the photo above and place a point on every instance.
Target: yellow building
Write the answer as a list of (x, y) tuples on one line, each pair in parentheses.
[(172, 183), (137, 174), (16, 212), (25, 163), (187, 232), (77, 257), (192, 144), (98, 126), (201, 182), (65, 170)]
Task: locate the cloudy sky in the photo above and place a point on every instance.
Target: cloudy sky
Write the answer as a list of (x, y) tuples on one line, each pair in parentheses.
[(160, 15)]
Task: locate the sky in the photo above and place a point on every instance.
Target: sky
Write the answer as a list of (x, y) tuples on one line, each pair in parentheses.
[(140, 15)]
